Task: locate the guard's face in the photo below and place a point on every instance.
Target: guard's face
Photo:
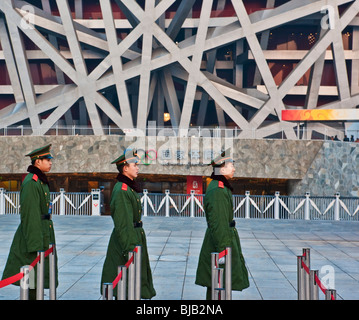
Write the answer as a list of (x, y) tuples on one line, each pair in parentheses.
[(131, 170), (228, 170), (44, 164)]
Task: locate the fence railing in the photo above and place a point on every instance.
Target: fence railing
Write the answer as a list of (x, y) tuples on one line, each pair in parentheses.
[(296, 207), (256, 206), (246, 206), (63, 203)]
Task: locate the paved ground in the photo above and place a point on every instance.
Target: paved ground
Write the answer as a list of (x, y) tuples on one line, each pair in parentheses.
[(270, 248)]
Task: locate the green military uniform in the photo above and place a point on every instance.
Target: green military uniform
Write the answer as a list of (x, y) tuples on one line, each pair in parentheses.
[(126, 212), (221, 232), (36, 231)]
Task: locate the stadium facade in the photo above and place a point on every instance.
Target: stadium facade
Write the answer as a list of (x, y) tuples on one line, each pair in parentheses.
[(105, 72)]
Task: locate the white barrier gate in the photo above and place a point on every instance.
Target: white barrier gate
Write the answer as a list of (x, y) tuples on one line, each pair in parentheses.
[(191, 205)]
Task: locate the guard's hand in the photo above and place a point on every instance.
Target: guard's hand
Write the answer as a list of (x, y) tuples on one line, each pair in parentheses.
[(222, 260)]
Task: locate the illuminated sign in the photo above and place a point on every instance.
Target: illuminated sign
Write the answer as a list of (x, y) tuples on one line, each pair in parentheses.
[(321, 115)]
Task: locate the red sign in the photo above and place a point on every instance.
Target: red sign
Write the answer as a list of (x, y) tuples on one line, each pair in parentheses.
[(195, 183)]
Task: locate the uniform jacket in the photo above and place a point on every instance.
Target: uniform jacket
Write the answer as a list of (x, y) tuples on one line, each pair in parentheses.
[(218, 205), (126, 209), (34, 233)]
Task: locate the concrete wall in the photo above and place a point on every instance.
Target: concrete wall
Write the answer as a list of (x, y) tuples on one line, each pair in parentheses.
[(321, 168), (334, 169)]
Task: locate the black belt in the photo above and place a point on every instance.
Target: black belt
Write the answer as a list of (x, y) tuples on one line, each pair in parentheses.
[(231, 224), (137, 224), (46, 217)]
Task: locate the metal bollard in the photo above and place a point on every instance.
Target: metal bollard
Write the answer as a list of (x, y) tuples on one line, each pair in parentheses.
[(145, 202), (121, 286), (192, 204), (314, 288), (40, 276), (306, 260), (137, 262), (247, 205), (220, 294), (214, 265), (52, 271), (107, 291), (24, 283), (276, 205), (330, 294), (218, 275), (337, 207), (228, 273), (300, 278), (307, 206), (2, 201), (131, 277), (167, 202)]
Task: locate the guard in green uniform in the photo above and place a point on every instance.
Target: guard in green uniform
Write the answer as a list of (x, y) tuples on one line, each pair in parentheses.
[(126, 212), (221, 231), (36, 231)]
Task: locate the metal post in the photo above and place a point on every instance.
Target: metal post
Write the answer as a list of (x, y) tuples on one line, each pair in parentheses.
[(220, 293), (307, 207), (167, 192), (145, 202), (52, 271), (306, 260), (214, 265), (40, 276), (330, 294), (96, 204), (218, 284), (62, 202), (121, 286), (137, 260), (314, 288), (107, 291), (228, 268), (247, 205), (131, 277), (300, 278), (337, 207), (24, 283), (2, 201), (192, 204), (276, 205)]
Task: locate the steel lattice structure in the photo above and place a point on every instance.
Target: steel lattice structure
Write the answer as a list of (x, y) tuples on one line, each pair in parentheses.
[(146, 55)]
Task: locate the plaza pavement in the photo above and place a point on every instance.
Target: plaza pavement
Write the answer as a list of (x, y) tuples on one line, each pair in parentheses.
[(270, 248)]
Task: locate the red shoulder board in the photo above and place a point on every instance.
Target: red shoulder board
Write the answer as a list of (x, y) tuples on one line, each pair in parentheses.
[(220, 184), (124, 187), (35, 177)]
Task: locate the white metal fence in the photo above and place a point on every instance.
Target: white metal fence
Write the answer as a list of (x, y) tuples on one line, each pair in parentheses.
[(256, 207), (191, 205), (63, 203), (296, 207), (71, 203)]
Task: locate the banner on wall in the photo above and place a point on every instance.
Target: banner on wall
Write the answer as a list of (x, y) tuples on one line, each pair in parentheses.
[(194, 183)]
